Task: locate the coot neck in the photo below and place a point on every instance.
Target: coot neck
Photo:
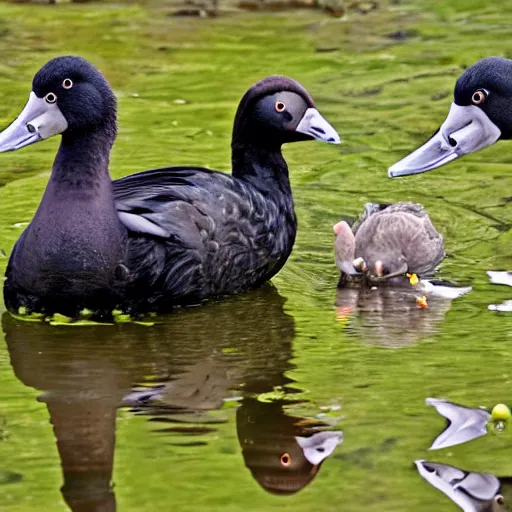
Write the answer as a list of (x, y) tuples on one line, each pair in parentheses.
[(82, 161), (261, 163)]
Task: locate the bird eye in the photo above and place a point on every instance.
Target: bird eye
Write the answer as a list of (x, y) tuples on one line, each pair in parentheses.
[(499, 499), (479, 96), (286, 460), (67, 83), (50, 97), (280, 106)]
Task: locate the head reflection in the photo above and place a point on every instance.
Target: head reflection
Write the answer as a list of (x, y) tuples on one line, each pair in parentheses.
[(283, 453), (188, 365), (469, 490)]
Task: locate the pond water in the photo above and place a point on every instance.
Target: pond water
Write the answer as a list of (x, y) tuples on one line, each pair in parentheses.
[(277, 399)]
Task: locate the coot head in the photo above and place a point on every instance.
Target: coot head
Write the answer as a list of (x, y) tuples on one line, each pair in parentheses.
[(69, 96), (480, 115), (277, 110)]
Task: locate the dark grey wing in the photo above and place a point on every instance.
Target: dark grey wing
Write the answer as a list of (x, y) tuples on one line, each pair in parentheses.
[(195, 232), (164, 234), (144, 200)]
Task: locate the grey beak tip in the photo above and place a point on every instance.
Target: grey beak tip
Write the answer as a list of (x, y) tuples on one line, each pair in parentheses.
[(397, 171)]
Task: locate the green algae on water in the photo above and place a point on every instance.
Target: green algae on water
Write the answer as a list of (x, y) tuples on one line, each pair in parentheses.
[(84, 318)]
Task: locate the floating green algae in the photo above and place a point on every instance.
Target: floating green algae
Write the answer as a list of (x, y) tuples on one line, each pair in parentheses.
[(84, 319)]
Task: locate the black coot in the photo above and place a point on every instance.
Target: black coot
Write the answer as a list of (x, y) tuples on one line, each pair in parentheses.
[(160, 238)]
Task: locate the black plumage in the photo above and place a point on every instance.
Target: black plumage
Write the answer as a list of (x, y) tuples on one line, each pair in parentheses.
[(159, 238)]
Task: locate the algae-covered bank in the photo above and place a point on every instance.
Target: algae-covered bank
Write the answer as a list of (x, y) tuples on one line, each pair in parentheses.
[(295, 396)]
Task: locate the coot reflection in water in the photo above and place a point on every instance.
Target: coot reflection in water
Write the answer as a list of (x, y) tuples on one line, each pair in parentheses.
[(463, 423), (390, 316), (471, 491), (196, 358), (284, 453)]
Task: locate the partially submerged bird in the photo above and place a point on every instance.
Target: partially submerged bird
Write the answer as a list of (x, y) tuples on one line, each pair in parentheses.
[(386, 243), (160, 238), (480, 115)]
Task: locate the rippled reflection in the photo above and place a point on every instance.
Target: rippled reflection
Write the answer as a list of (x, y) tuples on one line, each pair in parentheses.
[(174, 373), (464, 423), (283, 453), (471, 491), (390, 316)]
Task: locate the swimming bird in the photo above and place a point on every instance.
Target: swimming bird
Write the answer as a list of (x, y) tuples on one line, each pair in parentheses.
[(480, 115), (388, 241), (159, 238)]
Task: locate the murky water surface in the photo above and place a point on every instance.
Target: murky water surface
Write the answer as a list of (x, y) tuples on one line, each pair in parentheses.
[(296, 396)]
